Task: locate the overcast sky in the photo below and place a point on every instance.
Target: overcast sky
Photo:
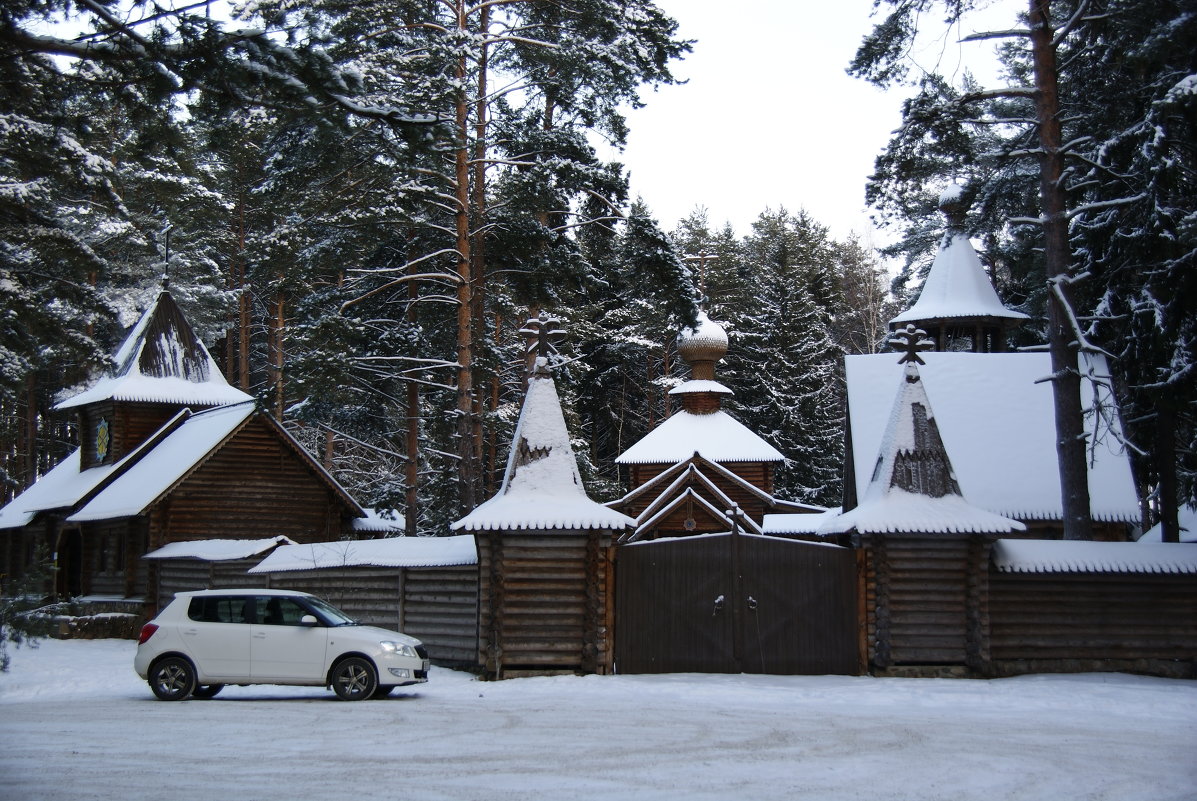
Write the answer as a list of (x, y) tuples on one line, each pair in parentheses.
[(769, 117)]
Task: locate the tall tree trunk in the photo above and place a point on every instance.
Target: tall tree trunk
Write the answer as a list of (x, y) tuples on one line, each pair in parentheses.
[(411, 468), (478, 238), (278, 327), (1066, 377), (1165, 467), (467, 471)]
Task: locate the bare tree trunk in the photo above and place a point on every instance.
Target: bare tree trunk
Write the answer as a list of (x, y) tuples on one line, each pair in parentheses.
[(28, 447), (1165, 468), (411, 511), (1066, 377), (411, 469), (278, 326), (466, 462), (478, 241)]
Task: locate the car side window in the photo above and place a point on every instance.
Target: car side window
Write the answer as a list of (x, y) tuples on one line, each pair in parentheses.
[(222, 609), (281, 611)]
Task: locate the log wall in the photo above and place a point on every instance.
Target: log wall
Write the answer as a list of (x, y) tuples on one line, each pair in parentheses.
[(925, 597), (544, 602), (226, 496), (1093, 621)]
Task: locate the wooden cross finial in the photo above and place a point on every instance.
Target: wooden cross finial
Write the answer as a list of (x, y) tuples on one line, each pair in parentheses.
[(702, 258), (911, 340), (543, 334)]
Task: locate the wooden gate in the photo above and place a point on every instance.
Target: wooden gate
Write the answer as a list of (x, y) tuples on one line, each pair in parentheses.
[(734, 603)]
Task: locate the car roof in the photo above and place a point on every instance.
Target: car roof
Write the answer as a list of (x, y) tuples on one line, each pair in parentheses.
[(242, 591)]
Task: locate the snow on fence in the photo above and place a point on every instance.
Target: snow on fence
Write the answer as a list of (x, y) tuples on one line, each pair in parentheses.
[(424, 586)]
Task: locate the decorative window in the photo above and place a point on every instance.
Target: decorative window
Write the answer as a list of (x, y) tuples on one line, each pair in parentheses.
[(103, 439)]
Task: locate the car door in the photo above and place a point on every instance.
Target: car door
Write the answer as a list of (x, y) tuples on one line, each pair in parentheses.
[(282, 648), (216, 634)]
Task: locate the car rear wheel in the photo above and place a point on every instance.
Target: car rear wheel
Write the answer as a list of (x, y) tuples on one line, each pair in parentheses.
[(354, 679), (207, 690), (172, 679)]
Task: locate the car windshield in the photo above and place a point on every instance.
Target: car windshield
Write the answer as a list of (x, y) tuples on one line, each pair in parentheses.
[(332, 616)]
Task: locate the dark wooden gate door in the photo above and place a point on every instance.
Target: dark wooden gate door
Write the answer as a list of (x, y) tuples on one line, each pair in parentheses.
[(735, 604)]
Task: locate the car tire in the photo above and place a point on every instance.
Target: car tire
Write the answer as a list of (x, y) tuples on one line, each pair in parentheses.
[(205, 691), (354, 679), (383, 690), (172, 679)]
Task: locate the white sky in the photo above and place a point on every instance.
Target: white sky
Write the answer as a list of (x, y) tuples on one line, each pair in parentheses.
[(769, 117)]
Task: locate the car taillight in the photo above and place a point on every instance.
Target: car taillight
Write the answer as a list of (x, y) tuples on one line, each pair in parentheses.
[(147, 631)]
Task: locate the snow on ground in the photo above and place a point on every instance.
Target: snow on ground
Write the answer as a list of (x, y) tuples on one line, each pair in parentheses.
[(77, 723)]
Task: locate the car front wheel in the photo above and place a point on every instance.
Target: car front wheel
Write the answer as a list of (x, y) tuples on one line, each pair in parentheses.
[(172, 679), (354, 679)]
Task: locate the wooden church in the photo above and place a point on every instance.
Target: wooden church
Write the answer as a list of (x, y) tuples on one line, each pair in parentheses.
[(169, 452), (952, 501), (701, 470)]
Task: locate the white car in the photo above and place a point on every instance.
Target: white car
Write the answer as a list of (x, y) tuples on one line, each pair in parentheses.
[(206, 639)]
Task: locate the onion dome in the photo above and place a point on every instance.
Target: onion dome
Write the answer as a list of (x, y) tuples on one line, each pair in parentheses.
[(702, 346)]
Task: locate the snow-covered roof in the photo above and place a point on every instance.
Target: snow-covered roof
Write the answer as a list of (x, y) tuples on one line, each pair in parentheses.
[(899, 511), (912, 487), (164, 464), (218, 550), (1074, 556), (163, 361), (380, 521), (1188, 527), (998, 428), (541, 487), (390, 552), (797, 523), (717, 437), (700, 385), (957, 286), (61, 488)]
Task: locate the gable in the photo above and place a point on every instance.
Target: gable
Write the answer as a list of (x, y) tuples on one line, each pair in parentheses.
[(253, 457)]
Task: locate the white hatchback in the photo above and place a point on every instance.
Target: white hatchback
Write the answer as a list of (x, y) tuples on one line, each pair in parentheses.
[(206, 639)]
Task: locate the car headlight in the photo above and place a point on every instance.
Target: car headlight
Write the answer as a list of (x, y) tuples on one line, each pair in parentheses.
[(399, 648)]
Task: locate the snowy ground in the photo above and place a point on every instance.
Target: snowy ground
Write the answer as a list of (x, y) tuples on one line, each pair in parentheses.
[(76, 723)]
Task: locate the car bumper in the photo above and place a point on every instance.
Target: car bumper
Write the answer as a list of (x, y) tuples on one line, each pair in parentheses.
[(402, 672)]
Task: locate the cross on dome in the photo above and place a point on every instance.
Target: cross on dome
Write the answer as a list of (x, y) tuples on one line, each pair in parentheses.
[(543, 333), (910, 341)]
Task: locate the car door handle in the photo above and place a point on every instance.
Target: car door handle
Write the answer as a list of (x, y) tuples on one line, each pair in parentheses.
[(259, 635), (191, 632)]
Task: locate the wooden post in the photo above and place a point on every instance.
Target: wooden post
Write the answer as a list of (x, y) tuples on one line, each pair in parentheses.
[(737, 591)]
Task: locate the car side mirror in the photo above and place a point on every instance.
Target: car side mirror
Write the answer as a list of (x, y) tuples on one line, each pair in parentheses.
[(308, 620)]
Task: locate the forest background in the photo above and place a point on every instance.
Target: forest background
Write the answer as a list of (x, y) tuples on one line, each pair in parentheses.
[(360, 205)]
